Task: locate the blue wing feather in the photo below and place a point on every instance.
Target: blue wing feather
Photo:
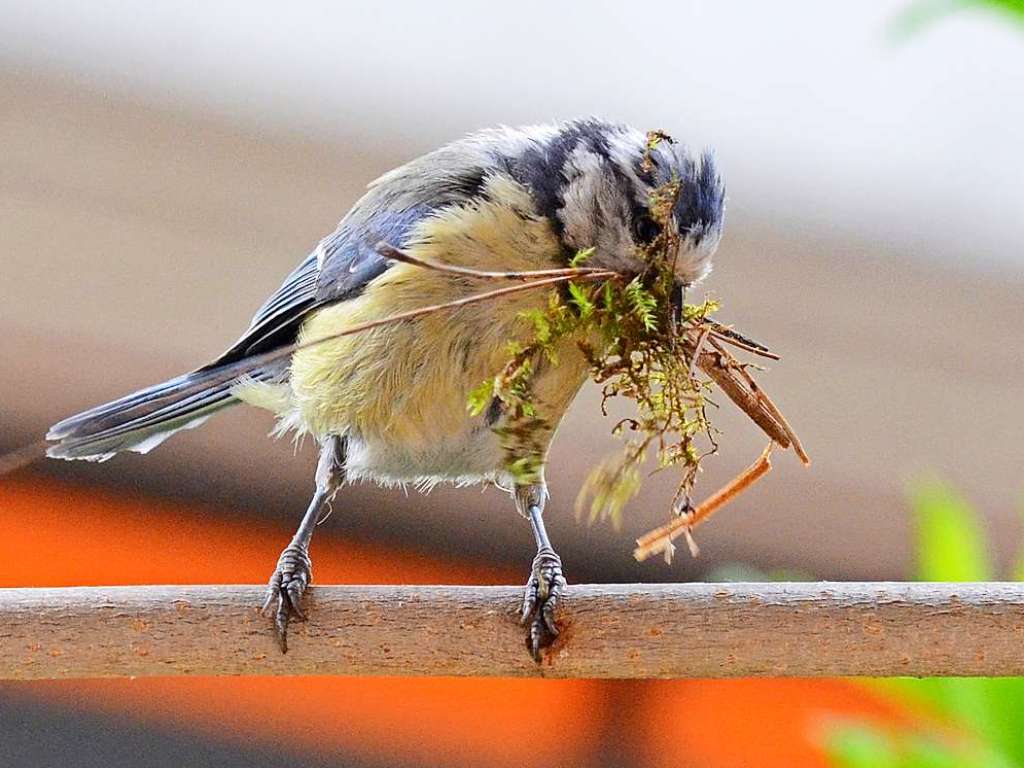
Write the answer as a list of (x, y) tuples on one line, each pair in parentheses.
[(339, 268)]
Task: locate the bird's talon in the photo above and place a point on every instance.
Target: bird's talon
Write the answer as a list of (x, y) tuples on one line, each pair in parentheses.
[(297, 613), (533, 646), (272, 594), (291, 577), (541, 601), (549, 620)]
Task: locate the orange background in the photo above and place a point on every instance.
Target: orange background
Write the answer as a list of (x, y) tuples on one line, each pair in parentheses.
[(61, 535)]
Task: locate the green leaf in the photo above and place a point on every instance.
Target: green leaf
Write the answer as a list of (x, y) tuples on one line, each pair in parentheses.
[(1018, 568), (541, 324), (608, 295), (480, 398), (1007, 693), (581, 257), (582, 300), (950, 544), (989, 759), (861, 746), (643, 304), (964, 699), (926, 752), (1005, 725), (919, 15)]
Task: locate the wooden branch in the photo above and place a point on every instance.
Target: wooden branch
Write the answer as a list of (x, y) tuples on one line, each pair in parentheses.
[(626, 631)]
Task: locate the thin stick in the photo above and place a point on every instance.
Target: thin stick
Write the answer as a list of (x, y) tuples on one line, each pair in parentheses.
[(732, 333), (772, 409), (729, 336), (419, 312), (698, 347), (762, 396), (660, 539), (389, 251), (724, 376)]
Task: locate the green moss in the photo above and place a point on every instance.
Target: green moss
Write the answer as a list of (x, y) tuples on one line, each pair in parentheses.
[(635, 342)]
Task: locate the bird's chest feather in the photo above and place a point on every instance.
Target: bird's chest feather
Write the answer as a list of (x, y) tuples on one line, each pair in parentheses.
[(400, 391)]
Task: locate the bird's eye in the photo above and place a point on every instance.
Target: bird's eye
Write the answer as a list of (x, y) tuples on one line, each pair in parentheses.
[(646, 229)]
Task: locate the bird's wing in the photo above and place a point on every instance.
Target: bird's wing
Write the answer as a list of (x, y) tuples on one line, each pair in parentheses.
[(340, 266), (290, 301), (346, 260)]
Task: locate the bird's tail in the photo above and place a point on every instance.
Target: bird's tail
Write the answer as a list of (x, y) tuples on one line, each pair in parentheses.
[(142, 420)]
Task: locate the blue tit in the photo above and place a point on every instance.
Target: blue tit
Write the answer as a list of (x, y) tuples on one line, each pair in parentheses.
[(390, 404)]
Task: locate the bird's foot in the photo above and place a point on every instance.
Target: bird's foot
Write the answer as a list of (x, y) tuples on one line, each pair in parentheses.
[(543, 591), (291, 577)]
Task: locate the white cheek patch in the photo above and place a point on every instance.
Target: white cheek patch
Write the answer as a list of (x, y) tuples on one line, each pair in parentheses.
[(695, 254)]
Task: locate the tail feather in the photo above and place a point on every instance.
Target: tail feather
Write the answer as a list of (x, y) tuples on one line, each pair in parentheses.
[(142, 420)]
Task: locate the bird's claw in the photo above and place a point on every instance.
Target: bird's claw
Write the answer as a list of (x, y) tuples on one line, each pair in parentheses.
[(543, 591), (291, 577)]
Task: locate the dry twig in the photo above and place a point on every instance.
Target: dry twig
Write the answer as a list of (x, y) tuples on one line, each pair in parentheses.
[(731, 336), (660, 539), (389, 251), (719, 369), (732, 377), (766, 402)]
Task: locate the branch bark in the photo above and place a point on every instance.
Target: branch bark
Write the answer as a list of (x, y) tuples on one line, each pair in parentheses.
[(624, 631)]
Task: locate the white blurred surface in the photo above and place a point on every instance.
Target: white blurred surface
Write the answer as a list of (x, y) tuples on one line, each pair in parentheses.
[(820, 119)]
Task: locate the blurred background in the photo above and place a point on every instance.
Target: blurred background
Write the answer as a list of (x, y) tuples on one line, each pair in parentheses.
[(163, 166)]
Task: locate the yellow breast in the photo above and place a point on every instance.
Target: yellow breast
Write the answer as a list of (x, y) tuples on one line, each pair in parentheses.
[(408, 383)]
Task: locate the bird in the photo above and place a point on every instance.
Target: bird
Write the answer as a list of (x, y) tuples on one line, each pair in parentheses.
[(389, 404)]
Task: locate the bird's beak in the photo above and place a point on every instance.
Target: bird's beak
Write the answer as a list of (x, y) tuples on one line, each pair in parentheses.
[(678, 299)]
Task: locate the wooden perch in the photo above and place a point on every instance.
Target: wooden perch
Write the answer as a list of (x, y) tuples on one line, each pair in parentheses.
[(625, 631)]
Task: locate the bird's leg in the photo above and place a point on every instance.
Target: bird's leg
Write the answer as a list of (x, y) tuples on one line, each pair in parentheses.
[(546, 583), (294, 568)]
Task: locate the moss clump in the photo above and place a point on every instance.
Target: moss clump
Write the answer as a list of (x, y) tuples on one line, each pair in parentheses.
[(633, 333)]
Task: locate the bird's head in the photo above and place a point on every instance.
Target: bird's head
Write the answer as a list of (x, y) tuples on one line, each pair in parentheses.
[(598, 182)]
